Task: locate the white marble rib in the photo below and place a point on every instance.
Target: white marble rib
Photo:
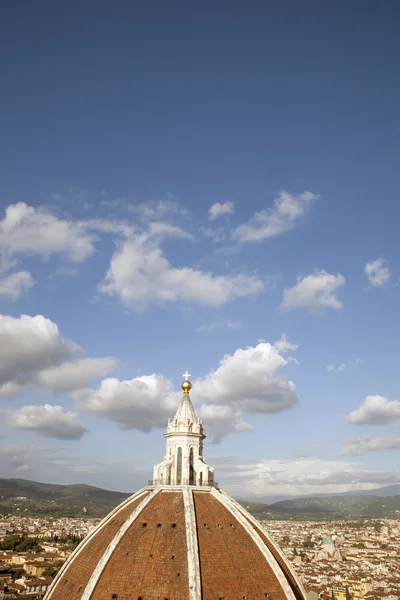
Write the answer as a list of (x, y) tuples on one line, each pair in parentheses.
[(192, 545)]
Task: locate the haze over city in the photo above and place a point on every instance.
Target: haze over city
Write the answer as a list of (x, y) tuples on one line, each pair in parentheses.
[(205, 188)]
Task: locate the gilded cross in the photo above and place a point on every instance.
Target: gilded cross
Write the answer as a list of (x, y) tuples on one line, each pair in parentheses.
[(186, 375)]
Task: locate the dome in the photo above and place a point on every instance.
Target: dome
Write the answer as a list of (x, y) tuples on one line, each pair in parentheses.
[(178, 541), (328, 541)]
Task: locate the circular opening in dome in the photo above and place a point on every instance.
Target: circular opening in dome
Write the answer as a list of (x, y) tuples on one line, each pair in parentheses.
[(144, 524), (158, 524), (173, 525), (178, 575), (173, 556)]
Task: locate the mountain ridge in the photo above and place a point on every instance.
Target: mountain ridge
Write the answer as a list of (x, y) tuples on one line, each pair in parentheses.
[(32, 498)]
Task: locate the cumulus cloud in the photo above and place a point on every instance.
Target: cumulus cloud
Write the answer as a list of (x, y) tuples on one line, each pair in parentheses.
[(29, 230), (245, 382), (315, 292), (47, 421), (140, 274), (147, 402), (15, 285), (375, 410), (378, 272), (221, 420), (30, 344), (283, 345), (248, 381), (10, 389), (33, 352), (359, 446), (284, 215), (220, 209), (300, 476), (75, 374), (141, 403)]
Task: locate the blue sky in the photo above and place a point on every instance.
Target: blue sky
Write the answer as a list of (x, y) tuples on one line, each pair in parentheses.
[(181, 186)]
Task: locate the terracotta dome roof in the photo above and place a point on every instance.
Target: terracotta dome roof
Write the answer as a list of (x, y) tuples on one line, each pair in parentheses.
[(178, 542)]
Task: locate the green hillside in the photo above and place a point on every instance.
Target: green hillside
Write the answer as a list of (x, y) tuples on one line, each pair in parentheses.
[(337, 507), (22, 497), (56, 500)]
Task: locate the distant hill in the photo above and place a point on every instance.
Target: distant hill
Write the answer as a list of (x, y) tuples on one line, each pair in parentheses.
[(337, 507), (23, 497), (56, 500), (387, 490)]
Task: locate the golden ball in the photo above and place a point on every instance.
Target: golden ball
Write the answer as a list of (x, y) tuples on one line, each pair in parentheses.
[(186, 386)]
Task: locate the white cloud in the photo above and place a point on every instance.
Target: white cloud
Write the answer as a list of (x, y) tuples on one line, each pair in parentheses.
[(296, 477), (245, 382), (375, 410), (378, 272), (315, 292), (359, 446), (10, 389), (29, 230), (283, 345), (16, 284), (222, 419), (75, 374), (220, 209), (47, 421), (336, 368), (140, 274), (30, 344), (160, 229), (141, 403), (33, 352), (285, 214), (248, 381), (332, 368)]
